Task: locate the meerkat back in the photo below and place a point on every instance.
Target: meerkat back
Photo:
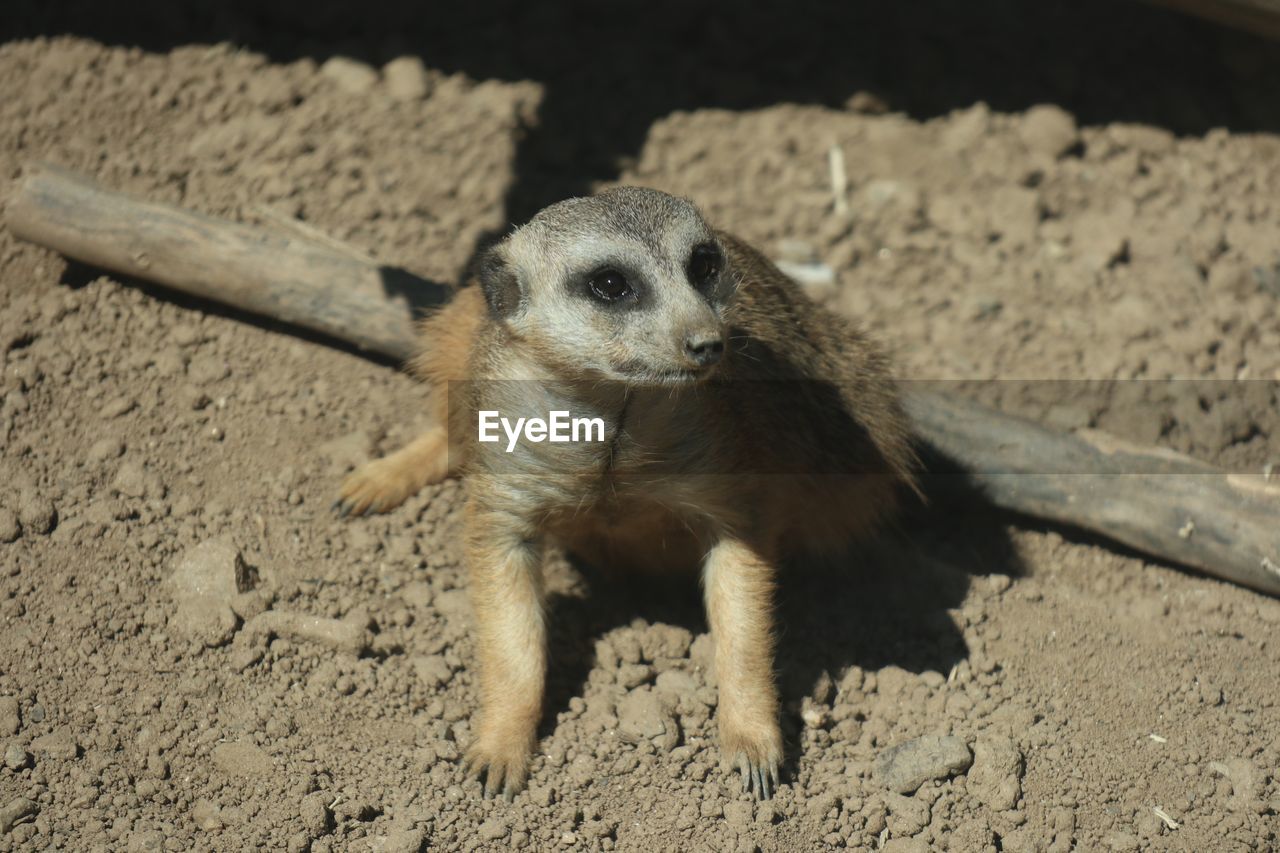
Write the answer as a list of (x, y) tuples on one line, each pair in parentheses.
[(817, 409)]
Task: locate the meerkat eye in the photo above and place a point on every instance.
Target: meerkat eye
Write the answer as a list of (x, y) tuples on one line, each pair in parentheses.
[(704, 265), (609, 286)]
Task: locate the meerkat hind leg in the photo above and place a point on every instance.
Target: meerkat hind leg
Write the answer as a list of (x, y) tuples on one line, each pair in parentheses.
[(384, 484), (739, 593)]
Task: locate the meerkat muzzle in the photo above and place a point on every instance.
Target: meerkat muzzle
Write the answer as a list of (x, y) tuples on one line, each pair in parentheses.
[(703, 349)]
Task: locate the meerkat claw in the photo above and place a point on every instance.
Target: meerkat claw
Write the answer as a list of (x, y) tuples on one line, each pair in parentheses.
[(492, 782), (758, 779), (351, 509), (496, 777)]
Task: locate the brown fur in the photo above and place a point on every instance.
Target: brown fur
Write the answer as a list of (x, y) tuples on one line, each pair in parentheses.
[(795, 442)]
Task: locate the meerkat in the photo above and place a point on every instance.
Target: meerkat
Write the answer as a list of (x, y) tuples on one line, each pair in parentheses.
[(744, 423)]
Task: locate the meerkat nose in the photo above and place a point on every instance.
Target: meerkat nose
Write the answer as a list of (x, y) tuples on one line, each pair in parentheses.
[(704, 348)]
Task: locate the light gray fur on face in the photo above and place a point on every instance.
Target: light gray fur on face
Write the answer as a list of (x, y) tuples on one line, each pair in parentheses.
[(648, 236)]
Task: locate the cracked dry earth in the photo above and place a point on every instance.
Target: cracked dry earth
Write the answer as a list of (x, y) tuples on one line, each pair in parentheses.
[(196, 654)]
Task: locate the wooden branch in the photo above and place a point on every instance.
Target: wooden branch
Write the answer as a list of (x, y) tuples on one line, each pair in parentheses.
[(1153, 500), (275, 274)]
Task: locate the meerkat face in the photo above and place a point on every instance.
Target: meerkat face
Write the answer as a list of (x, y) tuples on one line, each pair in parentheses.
[(630, 285)]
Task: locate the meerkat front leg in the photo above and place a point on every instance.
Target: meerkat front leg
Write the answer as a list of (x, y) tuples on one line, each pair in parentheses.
[(505, 576), (384, 484), (738, 581)]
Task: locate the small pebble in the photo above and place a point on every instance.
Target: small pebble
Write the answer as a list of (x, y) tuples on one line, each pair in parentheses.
[(996, 776), (204, 370), (432, 670), (185, 334), (206, 579), (14, 811), (106, 448), (1049, 130), (10, 529), (15, 757), (117, 407), (10, 719), (353, 77), (737, 814), (205, 815), (242, 759), (634, 674), (58, 744), (406, 78), (642, 718), (408, 840), (36, 513), (314, 812), (907, 766)]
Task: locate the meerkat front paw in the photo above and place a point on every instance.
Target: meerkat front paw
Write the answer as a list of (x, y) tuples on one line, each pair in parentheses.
[(377, 486), (501, 763), (754, 753), (384, 484)]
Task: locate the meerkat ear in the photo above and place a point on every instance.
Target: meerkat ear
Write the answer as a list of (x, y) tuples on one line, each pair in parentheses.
[(499, 282)]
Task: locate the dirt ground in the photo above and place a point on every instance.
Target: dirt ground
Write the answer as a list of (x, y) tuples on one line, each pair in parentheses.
[(1112, 219)]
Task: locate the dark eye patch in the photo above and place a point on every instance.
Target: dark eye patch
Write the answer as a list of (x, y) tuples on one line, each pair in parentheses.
[(705, 264), (609, 285)]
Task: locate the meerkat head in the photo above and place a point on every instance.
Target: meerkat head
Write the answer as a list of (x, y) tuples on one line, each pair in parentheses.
[(630, 285)]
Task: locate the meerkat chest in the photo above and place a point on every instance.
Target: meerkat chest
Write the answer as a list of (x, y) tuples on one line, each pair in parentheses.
[(667, 462), (541, 448)]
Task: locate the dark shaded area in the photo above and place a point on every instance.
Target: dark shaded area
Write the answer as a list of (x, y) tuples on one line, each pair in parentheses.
[(611, 69), (610, 600), (420, 294), (418, 290), (884, 603)]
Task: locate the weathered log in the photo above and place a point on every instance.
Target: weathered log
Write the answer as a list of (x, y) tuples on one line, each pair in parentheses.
[(1152, 500), (284, 276)]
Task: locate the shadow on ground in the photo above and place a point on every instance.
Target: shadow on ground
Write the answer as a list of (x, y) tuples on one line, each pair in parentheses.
[(885, 604), (611, 69)]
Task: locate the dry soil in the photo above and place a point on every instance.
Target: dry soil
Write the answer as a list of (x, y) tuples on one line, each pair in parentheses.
[(151, 446)]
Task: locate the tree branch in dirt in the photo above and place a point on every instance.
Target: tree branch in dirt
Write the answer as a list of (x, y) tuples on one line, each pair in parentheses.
[(1153, 500), (269, 272), (345, 635)]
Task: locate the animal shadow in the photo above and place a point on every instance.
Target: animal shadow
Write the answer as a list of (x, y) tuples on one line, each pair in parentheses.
[(884, 603)]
